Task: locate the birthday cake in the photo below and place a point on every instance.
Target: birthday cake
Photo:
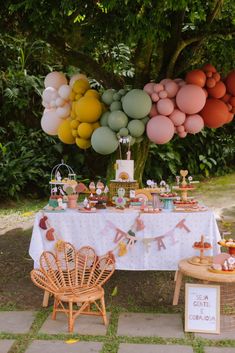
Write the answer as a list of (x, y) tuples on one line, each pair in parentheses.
[(124, 170)]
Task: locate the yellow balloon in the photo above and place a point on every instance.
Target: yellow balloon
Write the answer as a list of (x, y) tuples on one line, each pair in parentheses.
[(81, 86), (92, 93), (73, 115), (96, 125), (74, 133), (65, 132), (72, 96), (88, 109), (85, 130), (78, 96), (74, 124), (83, 143)]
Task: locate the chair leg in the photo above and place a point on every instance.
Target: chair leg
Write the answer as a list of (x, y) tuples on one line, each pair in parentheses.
[(55, 306), (103, 312), (70, 317)]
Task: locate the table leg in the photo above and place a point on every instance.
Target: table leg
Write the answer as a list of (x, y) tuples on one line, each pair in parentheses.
[(45, 299), (178, 282), (176, 274)]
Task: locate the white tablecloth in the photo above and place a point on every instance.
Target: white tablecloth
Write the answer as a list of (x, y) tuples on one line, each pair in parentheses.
[(159, 246)]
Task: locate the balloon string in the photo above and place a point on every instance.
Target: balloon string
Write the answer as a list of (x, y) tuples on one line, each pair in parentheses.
[(120, 150)]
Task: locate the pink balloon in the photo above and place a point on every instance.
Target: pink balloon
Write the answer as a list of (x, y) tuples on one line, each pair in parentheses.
[(177, 117), (165, 106), (174, 102), (158, 87), (49, 94), (190, 99), (155, 97), (182, 83), (178, 79), (194, 124), (165, 80), (172, 88), (160, 129), (55, 79), (50, 122), (182, 134), (153, 111), (63, 112), (149, 88), (180, 128), (163, 94)]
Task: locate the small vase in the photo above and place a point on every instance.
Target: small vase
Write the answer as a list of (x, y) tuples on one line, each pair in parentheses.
[(72, 201)]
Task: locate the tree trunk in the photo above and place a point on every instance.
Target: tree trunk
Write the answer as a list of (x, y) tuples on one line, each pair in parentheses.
[(139, 153)]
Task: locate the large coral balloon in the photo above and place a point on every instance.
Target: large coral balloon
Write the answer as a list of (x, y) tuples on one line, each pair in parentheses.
[(190, 99), (160, 129), (55, 79), (214, 113), (230, 83), (196, 77), (218, 91)]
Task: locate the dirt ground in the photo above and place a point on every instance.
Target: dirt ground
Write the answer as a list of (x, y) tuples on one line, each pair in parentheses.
[(137, 290)]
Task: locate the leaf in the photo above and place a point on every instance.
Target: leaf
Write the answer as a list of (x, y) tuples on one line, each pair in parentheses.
[(114, 292)]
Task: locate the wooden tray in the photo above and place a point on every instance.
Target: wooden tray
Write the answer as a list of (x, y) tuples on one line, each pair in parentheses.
[(221, 271), (191, 261)]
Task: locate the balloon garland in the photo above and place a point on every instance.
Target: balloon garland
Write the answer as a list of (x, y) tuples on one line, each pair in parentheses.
[(80, 115)]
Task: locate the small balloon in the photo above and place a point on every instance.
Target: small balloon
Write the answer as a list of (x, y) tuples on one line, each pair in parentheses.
[(172, 88), (149, 88), (165, 106), (55, 79), (177, 117), (194, 124), (158, 87)]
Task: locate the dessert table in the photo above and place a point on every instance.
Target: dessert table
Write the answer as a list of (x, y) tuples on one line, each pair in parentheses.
[(158, 242)]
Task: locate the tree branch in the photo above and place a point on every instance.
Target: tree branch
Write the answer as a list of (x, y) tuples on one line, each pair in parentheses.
[(212, 15)]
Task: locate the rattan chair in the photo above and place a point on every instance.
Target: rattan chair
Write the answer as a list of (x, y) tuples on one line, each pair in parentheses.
[(74, 277)]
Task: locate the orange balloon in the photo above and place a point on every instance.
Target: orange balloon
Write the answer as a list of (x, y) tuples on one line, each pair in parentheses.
[(216, 76), (233, 110), (210, 82), (209, 67), (218, 90), (230, 117), (232, 101), (214, 113), (209, 74), (196, 77), (230, 82), (226, 97)]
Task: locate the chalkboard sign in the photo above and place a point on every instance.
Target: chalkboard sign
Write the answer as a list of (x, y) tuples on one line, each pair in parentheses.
[(202, 308)]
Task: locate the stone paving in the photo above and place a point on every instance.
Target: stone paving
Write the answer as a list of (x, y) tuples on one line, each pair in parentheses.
[(162, 333)]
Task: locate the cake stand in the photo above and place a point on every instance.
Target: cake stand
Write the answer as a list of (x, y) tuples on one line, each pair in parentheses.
[(201, 260), (168, 202)]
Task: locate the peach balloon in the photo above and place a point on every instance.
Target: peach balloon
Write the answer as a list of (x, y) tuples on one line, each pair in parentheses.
[(180, 128), (218, 91), (163, 94), (177, 117), (165, 80), (55, 79), (196, 77), (230, 83), (49, 94), (172, 88), (165, 106), (194, 124), (64, 91), (155, 97), (160, 129), (158, 87), (214, 113), (63, 112), (50, 122), (153, 111), (182, 134), (59, 102), (190, 99), (148, 88)]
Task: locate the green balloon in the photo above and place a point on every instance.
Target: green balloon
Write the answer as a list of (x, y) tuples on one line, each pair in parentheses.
[(104, 140), (123, 132), (117, 119), (132, 140), (122, 91), (145, 119), (137, 104), (104, 119), (139, 139), (116, 97), (116, 105), (136, 128), (107, 96)]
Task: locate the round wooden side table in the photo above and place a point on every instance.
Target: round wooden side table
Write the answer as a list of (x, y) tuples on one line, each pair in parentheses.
[(199, 272)]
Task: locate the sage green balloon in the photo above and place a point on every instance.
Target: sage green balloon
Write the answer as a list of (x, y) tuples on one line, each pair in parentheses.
[(116, 105), (104, 140), (123, 132), (107, 96), (122, 91), (104, 119), (117, 119), (137, 104), (139, 139), (145, 119), (117, 97), (132, 140), (136, 128)]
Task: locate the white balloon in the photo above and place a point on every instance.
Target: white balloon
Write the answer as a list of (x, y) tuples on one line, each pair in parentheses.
[(63, 112), (76, 77), (45, 104), (55, 79), (50, 122), (52, 104), (49, 94), (59, 102), (64, 91)]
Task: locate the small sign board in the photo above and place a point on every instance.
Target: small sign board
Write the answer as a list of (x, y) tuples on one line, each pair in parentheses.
[(202, 308)]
